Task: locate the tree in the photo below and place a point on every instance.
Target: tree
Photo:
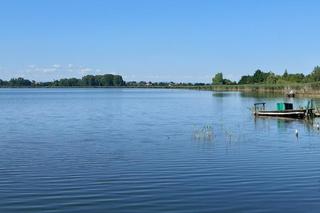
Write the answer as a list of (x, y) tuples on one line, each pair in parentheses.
[(260, 77), (246, 79), (118, 81), (89, 80), (296, 78), (285, 75), (104, 80), (19, 82), (272, 79), (315, 75), (228, 82), (218, 78)]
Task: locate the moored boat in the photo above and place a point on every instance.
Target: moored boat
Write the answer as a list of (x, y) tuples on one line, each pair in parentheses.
[(283, 110), (299, 113)]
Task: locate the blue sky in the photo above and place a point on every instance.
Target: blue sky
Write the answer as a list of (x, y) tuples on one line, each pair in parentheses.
[(157, 40)]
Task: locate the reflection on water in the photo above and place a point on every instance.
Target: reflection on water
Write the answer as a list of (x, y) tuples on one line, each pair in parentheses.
[(224, 94), (285, 124), (262, 95)]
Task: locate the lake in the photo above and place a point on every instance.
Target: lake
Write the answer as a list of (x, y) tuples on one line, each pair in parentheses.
[(142, 150)]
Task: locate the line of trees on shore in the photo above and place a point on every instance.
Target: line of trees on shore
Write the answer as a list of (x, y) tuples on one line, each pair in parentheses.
[(260, 77), (106, 80), (162, 84), (110, 80)]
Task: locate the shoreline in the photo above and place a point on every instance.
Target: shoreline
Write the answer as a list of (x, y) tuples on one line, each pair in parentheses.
[(300, 90)]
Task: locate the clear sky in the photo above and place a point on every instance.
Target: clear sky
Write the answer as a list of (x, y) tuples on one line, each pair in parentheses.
[(157, 40)]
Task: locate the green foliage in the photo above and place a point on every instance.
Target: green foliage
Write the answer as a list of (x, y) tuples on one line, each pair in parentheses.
[(65, 82), (104, 80), (285, 74), (272, 79), (118, 81), (19, 82), (218, 79), (315, 74), (267, 79), (87, 81), (3, 83), (260, 77), (229, 82), (246, 79), (296, 78)]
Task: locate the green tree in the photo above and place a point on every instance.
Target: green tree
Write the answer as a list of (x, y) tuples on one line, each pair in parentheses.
[(218, 78), (272, 79), (104, 80), (118, 81), (89, 80), (295, 78), (228, 82), (260, 77), (246, 79), (285, 75), (315, 75), (19, 82)]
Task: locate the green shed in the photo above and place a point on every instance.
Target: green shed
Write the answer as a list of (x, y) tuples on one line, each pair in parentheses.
[(280, 106), (284, 106)]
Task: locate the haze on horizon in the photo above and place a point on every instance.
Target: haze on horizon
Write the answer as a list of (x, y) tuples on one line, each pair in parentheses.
[(159, 40)]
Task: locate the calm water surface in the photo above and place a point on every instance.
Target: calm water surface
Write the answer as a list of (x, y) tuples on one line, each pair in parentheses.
[(132, 150)]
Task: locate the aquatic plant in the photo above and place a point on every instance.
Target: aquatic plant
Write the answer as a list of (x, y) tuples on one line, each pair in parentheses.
[(203, 133)]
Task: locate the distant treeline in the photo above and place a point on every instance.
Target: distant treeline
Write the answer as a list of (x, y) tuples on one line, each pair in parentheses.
[(109, 80), (106, 80), (260, 77), (161, 84)]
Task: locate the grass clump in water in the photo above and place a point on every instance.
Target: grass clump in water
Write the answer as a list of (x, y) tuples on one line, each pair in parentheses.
[(203, 133)]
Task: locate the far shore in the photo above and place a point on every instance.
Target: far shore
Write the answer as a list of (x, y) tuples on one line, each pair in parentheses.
[(300, 89)]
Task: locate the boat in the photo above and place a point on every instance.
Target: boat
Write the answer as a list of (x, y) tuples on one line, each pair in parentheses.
[(283, 110), (299, 113)]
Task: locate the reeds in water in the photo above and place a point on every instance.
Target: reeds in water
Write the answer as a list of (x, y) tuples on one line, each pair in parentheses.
[(203, 133)]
